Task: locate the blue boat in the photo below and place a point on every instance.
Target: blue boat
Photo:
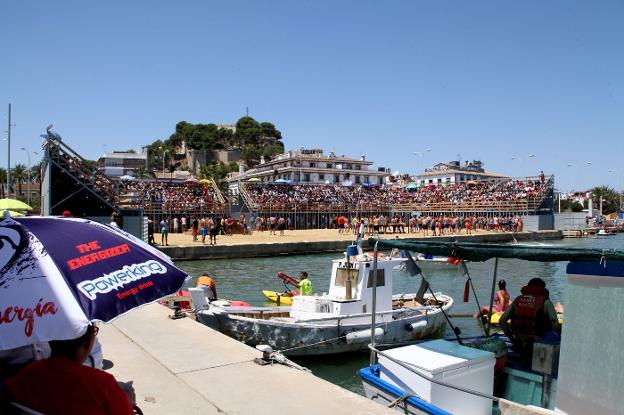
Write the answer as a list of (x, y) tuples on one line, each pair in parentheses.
[(583, 373)]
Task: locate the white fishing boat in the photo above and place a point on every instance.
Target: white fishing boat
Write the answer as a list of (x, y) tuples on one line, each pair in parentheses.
[(604, 233), (338, 321), (580, 373)]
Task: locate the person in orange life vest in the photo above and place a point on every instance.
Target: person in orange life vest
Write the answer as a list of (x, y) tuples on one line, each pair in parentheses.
[(208, 285), (530, 316)]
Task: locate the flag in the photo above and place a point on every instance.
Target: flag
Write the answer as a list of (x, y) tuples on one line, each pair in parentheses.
[(410, 265)]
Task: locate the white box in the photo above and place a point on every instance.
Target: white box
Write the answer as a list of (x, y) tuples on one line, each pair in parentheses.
[(448, 362)]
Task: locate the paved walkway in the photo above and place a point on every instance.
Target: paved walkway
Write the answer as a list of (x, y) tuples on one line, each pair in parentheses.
[(184, 367)]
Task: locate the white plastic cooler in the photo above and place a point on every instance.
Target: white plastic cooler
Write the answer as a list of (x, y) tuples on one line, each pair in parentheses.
[(448, 362)]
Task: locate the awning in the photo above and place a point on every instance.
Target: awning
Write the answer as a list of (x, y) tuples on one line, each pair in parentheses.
[(477, 251)]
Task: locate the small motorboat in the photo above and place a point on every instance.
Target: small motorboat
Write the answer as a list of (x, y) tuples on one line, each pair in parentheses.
[(604, 232), (425, 259)]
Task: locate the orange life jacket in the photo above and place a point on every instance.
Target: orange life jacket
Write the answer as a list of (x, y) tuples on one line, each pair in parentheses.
[(529, 318), (203, 280)]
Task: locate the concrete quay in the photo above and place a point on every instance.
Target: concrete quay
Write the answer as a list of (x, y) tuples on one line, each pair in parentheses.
[(183, 367), (182, 247)]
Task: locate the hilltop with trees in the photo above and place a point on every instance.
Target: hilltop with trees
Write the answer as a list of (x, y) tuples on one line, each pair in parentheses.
[(254, 139)]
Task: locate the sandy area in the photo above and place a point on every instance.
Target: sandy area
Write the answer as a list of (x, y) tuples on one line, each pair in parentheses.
[(314, 235)]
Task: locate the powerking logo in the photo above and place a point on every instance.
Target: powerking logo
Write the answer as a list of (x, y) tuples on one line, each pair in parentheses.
[(117, 279)]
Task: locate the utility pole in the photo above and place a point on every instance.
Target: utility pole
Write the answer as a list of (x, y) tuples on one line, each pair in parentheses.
[(8, 183)]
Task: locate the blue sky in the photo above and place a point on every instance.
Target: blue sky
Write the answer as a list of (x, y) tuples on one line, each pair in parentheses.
[(487, 80)]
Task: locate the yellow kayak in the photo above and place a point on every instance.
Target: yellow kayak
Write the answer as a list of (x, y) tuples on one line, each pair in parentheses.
[(276, 297)]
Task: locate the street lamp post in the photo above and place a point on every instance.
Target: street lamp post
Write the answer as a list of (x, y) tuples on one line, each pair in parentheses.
[(420, 155), (522, 162), (163, 159), (28, 190)]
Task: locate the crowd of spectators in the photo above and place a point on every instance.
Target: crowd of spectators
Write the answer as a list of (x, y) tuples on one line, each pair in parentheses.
[(167, 196), (312, 197), (75, 165)]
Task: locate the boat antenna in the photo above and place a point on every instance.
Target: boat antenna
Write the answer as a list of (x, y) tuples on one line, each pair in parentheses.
[(456, 330)]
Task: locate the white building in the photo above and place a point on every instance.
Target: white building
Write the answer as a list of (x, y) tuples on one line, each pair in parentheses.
[(313, 167), (453, 172), (121, 163)]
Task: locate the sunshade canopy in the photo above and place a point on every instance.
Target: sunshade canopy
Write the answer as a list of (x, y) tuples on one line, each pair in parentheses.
[(13, 204), (477, 251)]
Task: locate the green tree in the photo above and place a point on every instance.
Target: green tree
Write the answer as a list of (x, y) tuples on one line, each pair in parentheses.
[(610, 199), (217, 170), (576, 207), (3, 178), (35, 172), (19, 174), (141, 172)]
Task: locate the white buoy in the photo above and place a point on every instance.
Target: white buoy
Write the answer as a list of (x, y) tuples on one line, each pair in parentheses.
[(363, 335), (415, 326)]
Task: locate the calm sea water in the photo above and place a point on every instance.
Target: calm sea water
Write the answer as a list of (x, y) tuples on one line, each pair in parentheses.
[(244, 279)]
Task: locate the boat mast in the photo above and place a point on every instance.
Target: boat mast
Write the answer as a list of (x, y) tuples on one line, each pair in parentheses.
[(373, 356)]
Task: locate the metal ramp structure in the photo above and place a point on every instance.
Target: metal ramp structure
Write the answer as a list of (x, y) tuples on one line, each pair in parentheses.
[(69, 184)]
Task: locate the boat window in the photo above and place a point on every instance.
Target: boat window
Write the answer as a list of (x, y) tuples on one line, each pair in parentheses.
[(381, 278), (342, 274)]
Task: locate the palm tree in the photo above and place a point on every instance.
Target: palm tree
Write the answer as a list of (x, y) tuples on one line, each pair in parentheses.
[(141, 172), (35, 173), (19, 174), (610, 198)]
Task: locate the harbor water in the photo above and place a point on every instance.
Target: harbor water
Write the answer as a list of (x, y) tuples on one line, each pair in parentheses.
[(244, 279)]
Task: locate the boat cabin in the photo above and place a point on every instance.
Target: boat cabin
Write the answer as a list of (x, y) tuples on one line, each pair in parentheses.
[(350, 289)]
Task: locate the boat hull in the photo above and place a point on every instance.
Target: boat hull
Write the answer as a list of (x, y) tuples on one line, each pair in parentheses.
[(328, 336)]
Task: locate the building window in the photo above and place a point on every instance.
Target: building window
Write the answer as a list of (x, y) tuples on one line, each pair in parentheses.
[(366, 179), (312, 164), (329, 165), (336, 178), (306, 177), (357, 179), (348, 167), (321, 177), (358, 167)]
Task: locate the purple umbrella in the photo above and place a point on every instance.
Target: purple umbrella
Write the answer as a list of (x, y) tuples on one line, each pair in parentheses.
[(59, 274)]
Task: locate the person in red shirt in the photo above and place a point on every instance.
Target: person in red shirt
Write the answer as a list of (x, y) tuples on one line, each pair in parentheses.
[(61, 384)]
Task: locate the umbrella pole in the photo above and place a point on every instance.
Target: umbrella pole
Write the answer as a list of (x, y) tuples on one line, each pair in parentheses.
[(489, 322)]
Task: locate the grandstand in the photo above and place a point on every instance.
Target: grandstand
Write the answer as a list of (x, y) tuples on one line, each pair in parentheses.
[(163, 198), (311, 206), (69, 184)]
